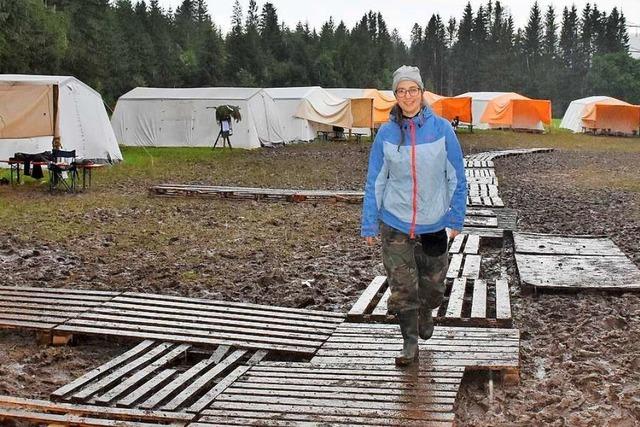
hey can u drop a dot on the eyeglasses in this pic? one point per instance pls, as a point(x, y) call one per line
point(412, 91)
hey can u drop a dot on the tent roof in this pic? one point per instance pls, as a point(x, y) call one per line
point(349, 93)
point(597, 99)
point(302, 92)
point(237, 93)
point(482, 96)
point(19, 79)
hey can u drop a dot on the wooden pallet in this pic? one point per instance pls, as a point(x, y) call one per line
point(491, 155)
point(281, 393)
point(207, 322)
point(475, 348)
point(42, 412)
point(548, 261)
point(177, 190)
point(43, 309)
point(156, 376)
point(61, 313)
point(467, 303)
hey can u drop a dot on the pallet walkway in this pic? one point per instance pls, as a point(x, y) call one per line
point(157, 376)
point(42, 412)
point(551, 261)
point(62, 313)
point(178, 190)
point(467, 302)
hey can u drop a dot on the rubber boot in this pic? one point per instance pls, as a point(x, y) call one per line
point(408, 321)
point(425, 324)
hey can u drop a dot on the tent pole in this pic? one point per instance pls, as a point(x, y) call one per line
point(56, 144)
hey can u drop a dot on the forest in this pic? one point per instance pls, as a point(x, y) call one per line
point(115, 46)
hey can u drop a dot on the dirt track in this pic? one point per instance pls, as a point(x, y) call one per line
point(580, 352)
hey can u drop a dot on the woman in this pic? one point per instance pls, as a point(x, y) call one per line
point(416, 189)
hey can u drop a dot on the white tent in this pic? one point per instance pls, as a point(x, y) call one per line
point(306, 110)
point(479, 102)
point(164, 117)
point(601, 112)
point(34, 109)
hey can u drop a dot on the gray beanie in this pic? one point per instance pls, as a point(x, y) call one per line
point(407, 72)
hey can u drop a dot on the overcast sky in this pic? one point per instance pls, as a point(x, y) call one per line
point(400, 14)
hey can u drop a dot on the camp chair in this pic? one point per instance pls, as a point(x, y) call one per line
point(63, 173)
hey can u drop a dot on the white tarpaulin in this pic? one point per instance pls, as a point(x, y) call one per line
point(479, 102)
point(165, 117)
point(28, 127)
point(305, 110)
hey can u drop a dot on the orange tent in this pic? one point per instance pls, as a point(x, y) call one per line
point(449, 108)
point(382, 105)
point(517, 111)
point(612, 114)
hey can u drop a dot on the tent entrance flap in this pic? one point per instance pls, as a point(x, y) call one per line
point(26, 111)
point(617, 118)
point(362, 111)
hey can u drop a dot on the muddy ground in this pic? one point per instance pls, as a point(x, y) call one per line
point(580, 352)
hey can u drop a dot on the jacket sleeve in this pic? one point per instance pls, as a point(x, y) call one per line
point(456, 181)
point(374, 188)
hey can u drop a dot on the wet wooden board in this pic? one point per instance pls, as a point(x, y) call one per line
point(277, 393)
point(148, 378)
point(45, 308)
point(556, 244)
point(54, 413)
point(357, 344)
point(578, 272)
point(207, 322)
point(467, 302)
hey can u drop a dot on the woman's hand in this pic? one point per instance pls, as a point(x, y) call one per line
point(452, 233)
point(369, 240)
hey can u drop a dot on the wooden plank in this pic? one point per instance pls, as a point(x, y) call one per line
point(471, 266)
point(93, 410)
point(248, 417)
point(555, 244)
point(203, 380)
point(454, 266)
point(578, 272)
point(381, 308)
point(151, 385)
point(66, 419)
point(295, 349)
point(120, 372)
point(65, 291)
point(479, 302)
point(251, 384)
point(143, 374)
point(226, 382)
point(503, 299)
point(481, 221)
point(213, 316)
point(456, 299)
point(365, 300)
point(96, 373)
point(185, 377)
point(473, 244)
point(456, 245)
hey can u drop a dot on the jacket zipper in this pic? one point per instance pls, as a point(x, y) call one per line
point(414, 176)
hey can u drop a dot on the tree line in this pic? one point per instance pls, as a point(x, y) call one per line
point(115, 46)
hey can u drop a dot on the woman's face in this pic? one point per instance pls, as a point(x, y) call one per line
point(409, 97)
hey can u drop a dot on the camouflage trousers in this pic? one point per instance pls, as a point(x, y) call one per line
point(415, 278)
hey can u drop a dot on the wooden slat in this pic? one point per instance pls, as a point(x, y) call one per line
point(456, 299)
point(473, 244)
point(575, 271)
point(151, 385)
point(119, 373)
point(479, 303)
point(503, 300)
point(381, 308)
point(96, 373)
point(454, 266)
point(366, 298)
point(555, 244)
point(471, 266)
point(226, 382)
point(203, 380)
point(456, 245)
point(188, 376)
point(142, 375)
